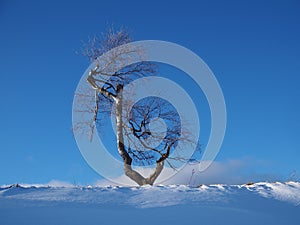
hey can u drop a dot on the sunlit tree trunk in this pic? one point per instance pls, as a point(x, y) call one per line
point(131, 173)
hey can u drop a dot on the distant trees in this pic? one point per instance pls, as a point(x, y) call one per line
point(132, 120)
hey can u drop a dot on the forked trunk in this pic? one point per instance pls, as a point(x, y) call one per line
point(131, 173)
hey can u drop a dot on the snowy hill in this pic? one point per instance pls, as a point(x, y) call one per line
point(259, 203)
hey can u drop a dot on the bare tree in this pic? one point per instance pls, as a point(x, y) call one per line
point(136, 143)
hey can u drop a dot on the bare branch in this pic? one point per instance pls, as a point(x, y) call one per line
point(135, 141)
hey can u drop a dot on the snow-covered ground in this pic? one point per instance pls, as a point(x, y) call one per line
point(259, 203)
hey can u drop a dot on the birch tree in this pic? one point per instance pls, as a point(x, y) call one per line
point(133, 133)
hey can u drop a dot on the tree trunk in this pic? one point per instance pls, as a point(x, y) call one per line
point(139, 179)
point(119, 126)
point(132, 174)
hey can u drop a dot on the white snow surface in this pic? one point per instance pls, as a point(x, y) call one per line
point(259, 203)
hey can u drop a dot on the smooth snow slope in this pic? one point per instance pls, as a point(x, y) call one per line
point(260, 203)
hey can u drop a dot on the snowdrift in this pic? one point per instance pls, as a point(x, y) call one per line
point(257, 203)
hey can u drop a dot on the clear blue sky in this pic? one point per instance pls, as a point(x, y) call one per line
point(252, 47)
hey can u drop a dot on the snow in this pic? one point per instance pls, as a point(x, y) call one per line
point(259, 203)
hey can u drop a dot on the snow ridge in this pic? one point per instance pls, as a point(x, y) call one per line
point(153, 196)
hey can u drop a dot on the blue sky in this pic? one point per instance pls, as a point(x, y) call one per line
point(252, 47)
